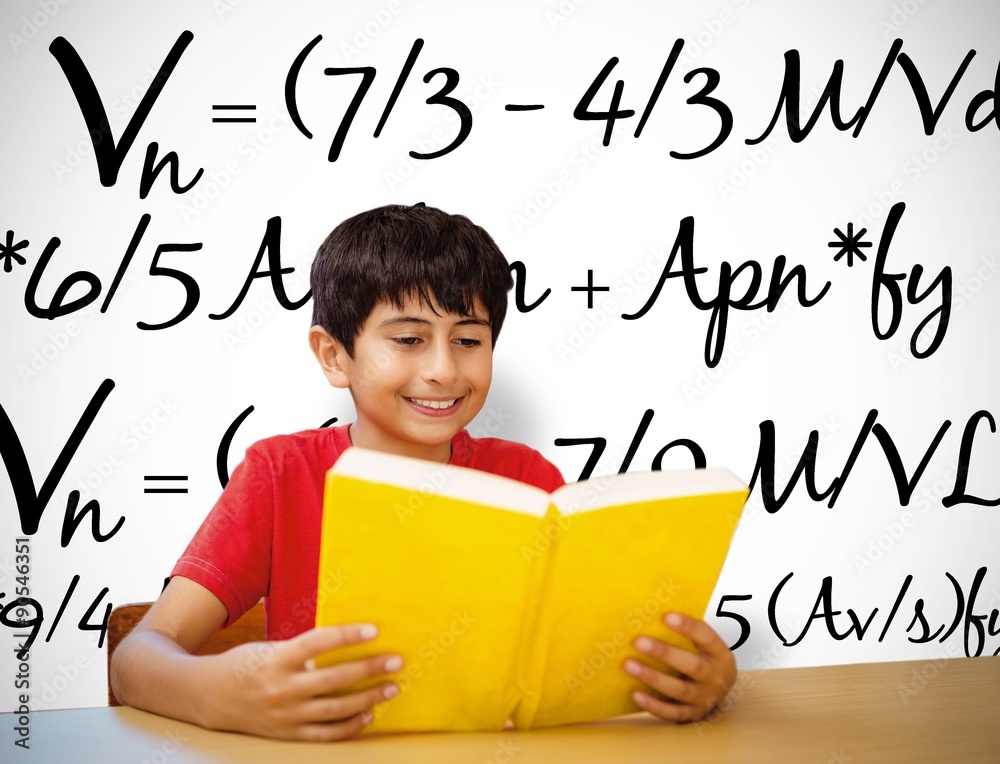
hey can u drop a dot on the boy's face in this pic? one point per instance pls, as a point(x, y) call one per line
point(417, 378)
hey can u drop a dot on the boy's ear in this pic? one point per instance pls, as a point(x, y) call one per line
point(331, 355)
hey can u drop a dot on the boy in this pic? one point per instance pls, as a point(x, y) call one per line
point(408, 304)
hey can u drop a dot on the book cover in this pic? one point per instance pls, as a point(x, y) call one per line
point(506, 602)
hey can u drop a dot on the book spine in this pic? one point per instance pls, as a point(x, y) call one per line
point(536, 619)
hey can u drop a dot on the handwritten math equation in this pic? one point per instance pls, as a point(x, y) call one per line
point(976, 623)
point(25, 613)
point(595, 104)
point(611, 104)
point(746, 286)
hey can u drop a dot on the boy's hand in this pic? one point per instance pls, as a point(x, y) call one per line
point(270, 689)
point(705, 676)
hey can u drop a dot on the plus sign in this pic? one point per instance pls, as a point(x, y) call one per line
point(590, 289)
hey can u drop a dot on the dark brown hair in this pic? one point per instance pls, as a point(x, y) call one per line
point(391, 253)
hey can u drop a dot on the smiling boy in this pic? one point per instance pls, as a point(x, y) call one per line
point(408, 305)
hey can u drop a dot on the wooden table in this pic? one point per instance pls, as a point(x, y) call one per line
point(914, 711)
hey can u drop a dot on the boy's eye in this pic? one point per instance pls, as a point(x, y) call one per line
point(406, 341)
point(468, 342)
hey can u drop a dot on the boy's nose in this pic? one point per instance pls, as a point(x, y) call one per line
point(440, 364)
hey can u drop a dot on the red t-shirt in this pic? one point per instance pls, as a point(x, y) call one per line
point(261, 538)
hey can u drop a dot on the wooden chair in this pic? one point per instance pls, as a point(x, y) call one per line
point(249, 628)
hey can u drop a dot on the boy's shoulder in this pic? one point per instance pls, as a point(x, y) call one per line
point(316, 449)
point(507, 458)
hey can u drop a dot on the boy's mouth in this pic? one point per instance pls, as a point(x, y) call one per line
point(435, 407)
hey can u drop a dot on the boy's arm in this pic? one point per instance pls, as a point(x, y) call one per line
point(264, 688)
point(705, 676)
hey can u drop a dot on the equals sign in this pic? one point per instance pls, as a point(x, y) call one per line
point(225, 107)
point(164, 478)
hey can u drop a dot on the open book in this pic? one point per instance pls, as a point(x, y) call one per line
point(506, 602)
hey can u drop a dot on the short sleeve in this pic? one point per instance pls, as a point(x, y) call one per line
point(230, 555)
point(542, 473)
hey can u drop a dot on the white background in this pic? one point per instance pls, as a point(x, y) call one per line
point(554, 198)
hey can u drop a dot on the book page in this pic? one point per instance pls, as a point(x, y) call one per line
point(614, 573)
point(445, 581)
point(633, 487)
point(459, 483)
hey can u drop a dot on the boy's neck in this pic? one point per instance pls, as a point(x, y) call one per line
point(439, 452)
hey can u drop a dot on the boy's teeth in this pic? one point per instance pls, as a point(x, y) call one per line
point(434, 404)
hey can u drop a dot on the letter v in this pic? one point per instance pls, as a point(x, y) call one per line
point(30, 505)
point(109, 156)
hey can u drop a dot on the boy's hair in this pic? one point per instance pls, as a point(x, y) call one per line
point(391, 253)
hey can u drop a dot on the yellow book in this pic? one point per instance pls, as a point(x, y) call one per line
point(507, 602)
